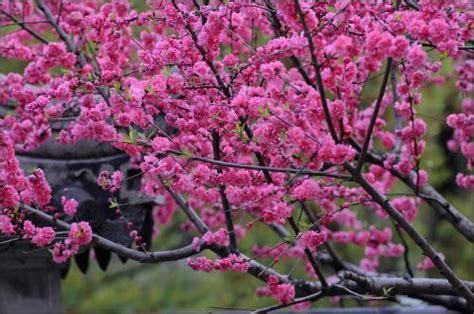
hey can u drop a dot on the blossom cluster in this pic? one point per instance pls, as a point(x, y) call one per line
point(254, 126)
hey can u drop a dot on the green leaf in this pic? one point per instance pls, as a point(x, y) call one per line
point(117, 85)
point(301, 157)
point(239, 130)
point(12, 102)
point(289, 239)
point(167, 182)
point(131, 137)
point(91, 48)
point(304, 225)
point(282, 134)
point(264, 112)
point(10, 113)
point(114, 204)
point(127, 94)
point(150, 90)
point(186, 153)
point(386, 291)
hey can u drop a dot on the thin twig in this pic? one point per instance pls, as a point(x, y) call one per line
point(375, 113)
point(26, 28)
point(317, 70)
point(224, 200)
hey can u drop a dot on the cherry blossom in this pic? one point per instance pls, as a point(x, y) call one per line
point(242, 115)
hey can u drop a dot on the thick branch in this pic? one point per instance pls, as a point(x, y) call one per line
point(403, 286)
point(358, 283)
point(448, 301)
point(139, 256)
point(427, 249)
point(429, 194)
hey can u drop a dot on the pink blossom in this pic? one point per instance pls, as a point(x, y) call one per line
point(233, 262)
point(201, 264)
point(29, 229)
point(62, 252)
point(160, 144)
point(307, 190)
point(342, 236)
point(416, 56)
point(277, 213)
point(284, 293)
point(407, 206)
point(369, 264)
point(43, 236)
point(69, 205)
point(220, 237)
point(6, 226)
point(398, 48)
point(196, 244)
point(9, 196)
point(394, 250)
point(465, 181)
point(312, 239)
point(80, 233)
point(164, 213)
point(116, 180)
point(109, 181)
point(40, 187)
point(427, 263)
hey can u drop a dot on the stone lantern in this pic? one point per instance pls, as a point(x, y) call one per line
point(29, 279)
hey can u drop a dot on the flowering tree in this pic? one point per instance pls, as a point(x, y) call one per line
point(246, 113)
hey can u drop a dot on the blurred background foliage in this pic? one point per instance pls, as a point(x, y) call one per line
point(135, 288)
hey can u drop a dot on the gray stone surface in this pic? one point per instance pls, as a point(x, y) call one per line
point(29, 280)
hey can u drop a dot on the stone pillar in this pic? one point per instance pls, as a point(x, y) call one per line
point(29, 280)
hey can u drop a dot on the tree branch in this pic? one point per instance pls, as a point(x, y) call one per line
point(429, 194)
point(403, 286)
point(309, 255)
point(310, 298)
point(270, 169)
point(139, 256)
point(427, 249)
point(71, 46)
point(375, 114)
point(192, 215)
point(359, 283)
point(337, 262)
point(24, 27)
point(448, 301)
point(224, 200)
point(220, 81)
point(406, 253)
point(317, 70)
